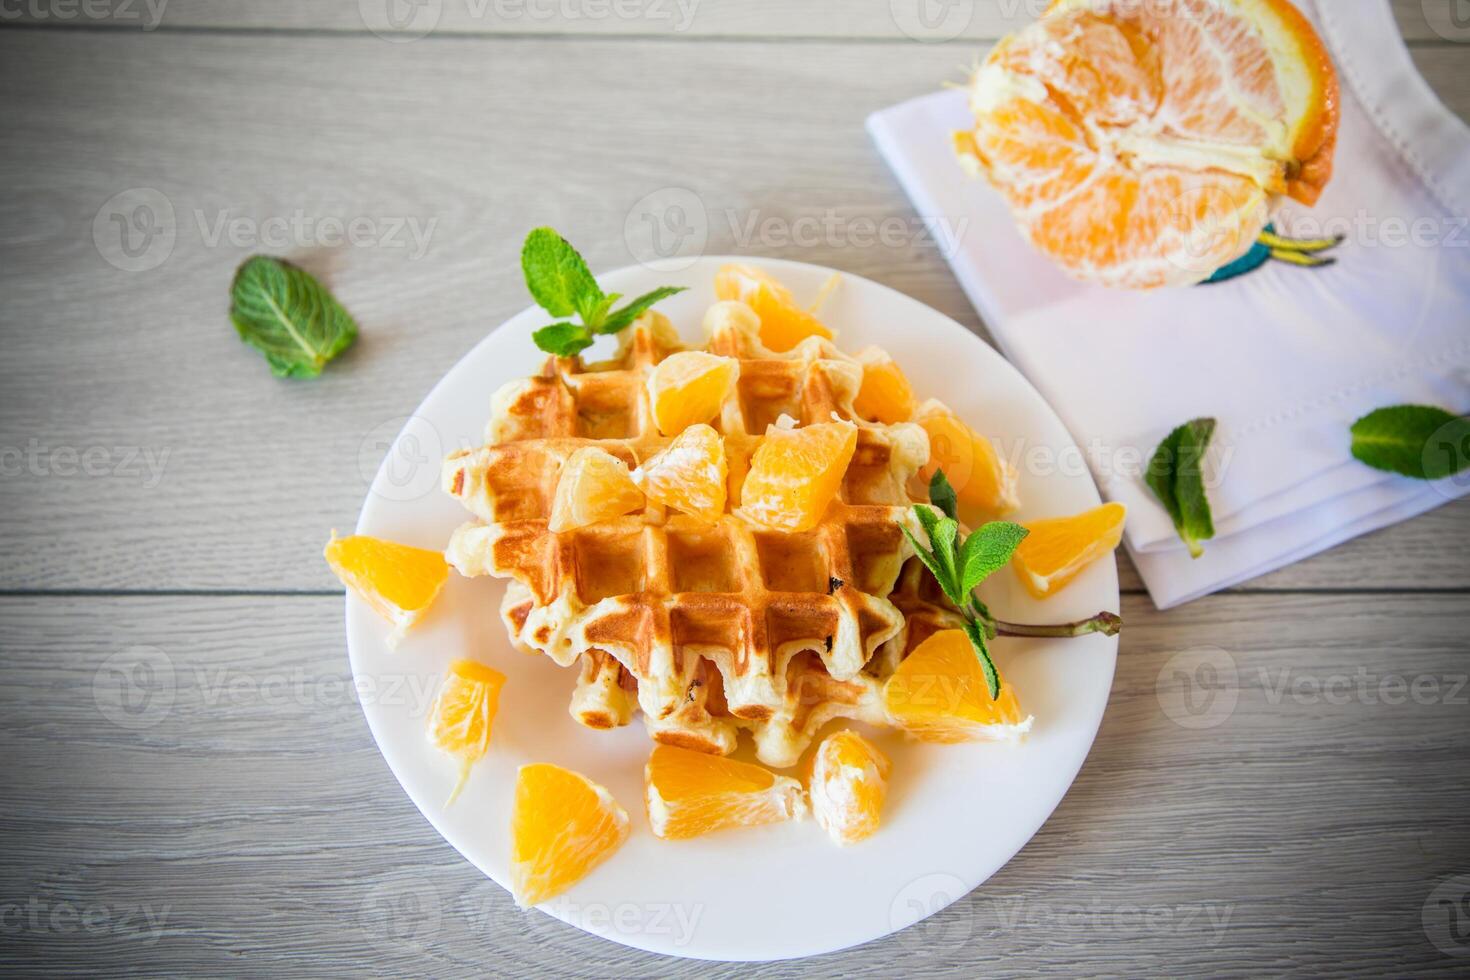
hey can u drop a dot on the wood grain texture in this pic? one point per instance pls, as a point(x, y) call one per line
point(970, 20)
point(235, 795)
point(146, 448)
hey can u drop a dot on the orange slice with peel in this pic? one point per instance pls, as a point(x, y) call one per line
point(1059, 548)
point(847, 786)
point(984, 482)
point(463, 714)
point(690, 793)
point(1141, 144)
point(689, 474)
point(689, 387)
point(594, 486)
point(795, 474)
point(938, 694)
point(886, 395)
point(562, 826)
point(399, 581)
point(783, 323)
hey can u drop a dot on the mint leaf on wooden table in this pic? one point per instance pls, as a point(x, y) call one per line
point(959, 564)
point(562, 285)
point(284, 313)
point(1419, 441)
point(1175, 477)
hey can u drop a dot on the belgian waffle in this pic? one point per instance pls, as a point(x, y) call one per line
point(706, 628)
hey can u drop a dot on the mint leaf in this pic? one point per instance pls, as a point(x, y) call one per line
point(944, 537)
point(1419, 441)
point(624, 317)
point(558, 279)
point(976, 633)
point(942, 495)
point(927, 518)
point(563, 339)
point(1175, 478)
point(924, 555)
point(986, 550)
point(284, 313)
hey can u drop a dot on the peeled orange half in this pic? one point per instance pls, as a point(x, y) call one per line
point(849, 782)
point(463, 714)
point(594, 486)
point(1140, 144)
point(795, 474)
point(689, 474)
point(689, 387)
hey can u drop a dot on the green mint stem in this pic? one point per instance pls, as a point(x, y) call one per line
point(1106, 623)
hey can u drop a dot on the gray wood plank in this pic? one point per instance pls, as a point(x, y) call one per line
point(969, 20)
point(1297, 821)
point(146, 448)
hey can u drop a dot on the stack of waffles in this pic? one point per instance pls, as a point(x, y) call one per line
point(707, 628)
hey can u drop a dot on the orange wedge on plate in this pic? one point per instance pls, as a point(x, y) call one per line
point(938, 694)
point(1141, 144)
point(689, 474)
point(594, 486)
point(689, 387)
point(849, 781)
point(563, 825)
point(690, 793)
point(463, 713)
point(984, 482)
point(783, 323)
point(795, 474)
point(1059, 548)
point(885, 395)
point(399, 581)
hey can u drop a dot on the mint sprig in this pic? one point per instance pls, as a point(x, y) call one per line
point(1418, 441)
point(1175, 477)
point(562, 285)
point(283, 312)
point(960, 564)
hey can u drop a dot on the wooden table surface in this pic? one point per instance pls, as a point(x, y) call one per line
point(189, 786)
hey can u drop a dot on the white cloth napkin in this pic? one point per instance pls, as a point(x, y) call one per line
point(1285, 358)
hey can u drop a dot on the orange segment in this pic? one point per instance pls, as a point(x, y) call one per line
point(886, 395)
point(689, 474)
point(399, 581)
point(795, 473)
point(849, 782)
point(690, 793)
point(460, 721)
point(689, 387)
point(984, 482)
point(938, 694)
point(1141, 145)
point(1060, 547)
point(562, 827)
point(594, 486)
point(783, 323)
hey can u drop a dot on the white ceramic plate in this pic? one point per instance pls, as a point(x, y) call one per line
point(955, 813)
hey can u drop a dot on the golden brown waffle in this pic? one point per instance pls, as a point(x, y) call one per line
point(714, 627)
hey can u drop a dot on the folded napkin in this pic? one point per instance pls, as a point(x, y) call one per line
point(1285, 358)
